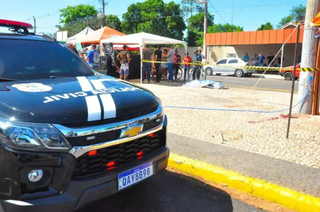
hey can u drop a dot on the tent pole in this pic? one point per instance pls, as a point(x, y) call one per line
point(141, 52)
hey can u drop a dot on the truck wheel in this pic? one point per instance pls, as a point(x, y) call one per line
point(288, 76)
point(209, 71)
point(239, 73)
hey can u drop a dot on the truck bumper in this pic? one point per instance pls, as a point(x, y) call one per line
point(82, 193)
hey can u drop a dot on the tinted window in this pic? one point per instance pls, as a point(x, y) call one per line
point(25, 60)
point(222, 62)
point(233, 61)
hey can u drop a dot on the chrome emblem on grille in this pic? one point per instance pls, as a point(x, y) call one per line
point(131, 130)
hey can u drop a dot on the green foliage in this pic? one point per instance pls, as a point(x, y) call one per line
point(194, 37)
point(285, 20)
point(189, 6)
point(224, 28)
point(156, 17)
point(267, 26)
point(196, 21)
point(77, 26)
point(296, 14)
point(196, 28)
point(114, 22)
point(71, 14)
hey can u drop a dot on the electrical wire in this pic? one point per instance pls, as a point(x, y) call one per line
point(218, 12)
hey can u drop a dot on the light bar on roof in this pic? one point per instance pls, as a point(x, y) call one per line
point(9, 23)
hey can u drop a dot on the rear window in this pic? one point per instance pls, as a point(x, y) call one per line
point(222, 62)
point(27, 59)
point(233, 61)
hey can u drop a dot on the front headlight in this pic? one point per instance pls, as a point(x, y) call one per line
point(160, 103)
point(33, 137)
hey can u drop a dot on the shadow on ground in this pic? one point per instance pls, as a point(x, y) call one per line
point(166, 192)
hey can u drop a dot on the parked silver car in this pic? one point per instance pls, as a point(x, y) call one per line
point(228, 66)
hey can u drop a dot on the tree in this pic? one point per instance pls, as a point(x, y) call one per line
point(267, 26)
point(189, 6)
point(71, 14)
point(78, 25)
point(296, 14)
point(195, 38)
point(224, 28)
point(114, 22)
point(156, 17)
point(285, 20)
point(196, 21)
point(196, 28)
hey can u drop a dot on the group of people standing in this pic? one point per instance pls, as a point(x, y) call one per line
point(259, 59)
point(169, 60)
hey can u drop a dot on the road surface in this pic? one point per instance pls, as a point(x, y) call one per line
point(265, 83)
point(171, 192)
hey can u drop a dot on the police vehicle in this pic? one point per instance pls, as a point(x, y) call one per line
point(69, 136)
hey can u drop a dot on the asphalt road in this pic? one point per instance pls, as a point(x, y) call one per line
point(171, 192)
point(265, 83)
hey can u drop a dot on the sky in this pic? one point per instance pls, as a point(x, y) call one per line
point(249, 14)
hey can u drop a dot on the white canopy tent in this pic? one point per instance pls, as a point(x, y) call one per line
point(86, 31)
point(142, 39)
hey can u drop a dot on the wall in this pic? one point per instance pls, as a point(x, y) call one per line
point(253, 37)
point(219, 52)
point(189, 49)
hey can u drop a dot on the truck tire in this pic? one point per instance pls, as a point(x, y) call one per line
point(288, 76)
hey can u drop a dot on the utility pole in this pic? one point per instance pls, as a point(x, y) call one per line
point(34, 24)
point(205, 27)
point(103, 11)
point(308, 57)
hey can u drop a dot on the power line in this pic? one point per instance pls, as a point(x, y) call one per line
point(218, 12)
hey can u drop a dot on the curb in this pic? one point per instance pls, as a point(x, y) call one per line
point(265, 190)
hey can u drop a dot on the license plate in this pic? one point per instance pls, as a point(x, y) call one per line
point(135, 175)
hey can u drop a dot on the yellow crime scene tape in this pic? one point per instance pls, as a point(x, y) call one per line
point(253, 68)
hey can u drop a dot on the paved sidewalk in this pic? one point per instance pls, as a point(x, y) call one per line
point(262, 133)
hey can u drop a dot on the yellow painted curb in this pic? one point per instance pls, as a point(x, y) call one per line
point(265, 190)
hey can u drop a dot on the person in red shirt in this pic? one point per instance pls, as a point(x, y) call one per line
point(187, 59)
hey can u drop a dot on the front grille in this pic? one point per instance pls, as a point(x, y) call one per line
point(120, 154)
point(98, 138)
point(109, 136)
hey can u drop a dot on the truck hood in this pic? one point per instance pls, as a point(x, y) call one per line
point(73, 100)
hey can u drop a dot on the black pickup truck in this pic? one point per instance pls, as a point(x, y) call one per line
point(69, 136)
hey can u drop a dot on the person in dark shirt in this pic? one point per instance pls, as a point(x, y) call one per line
point(279, 60)
point(158, 58)
point(270, 59)
point(197, 67)
point(176, 63)
point(146, 66)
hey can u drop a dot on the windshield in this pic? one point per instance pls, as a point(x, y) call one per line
point(28, 59)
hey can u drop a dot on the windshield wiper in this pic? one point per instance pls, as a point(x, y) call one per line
point(6, 80)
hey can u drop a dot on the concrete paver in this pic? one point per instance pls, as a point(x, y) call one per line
point(262, 133)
